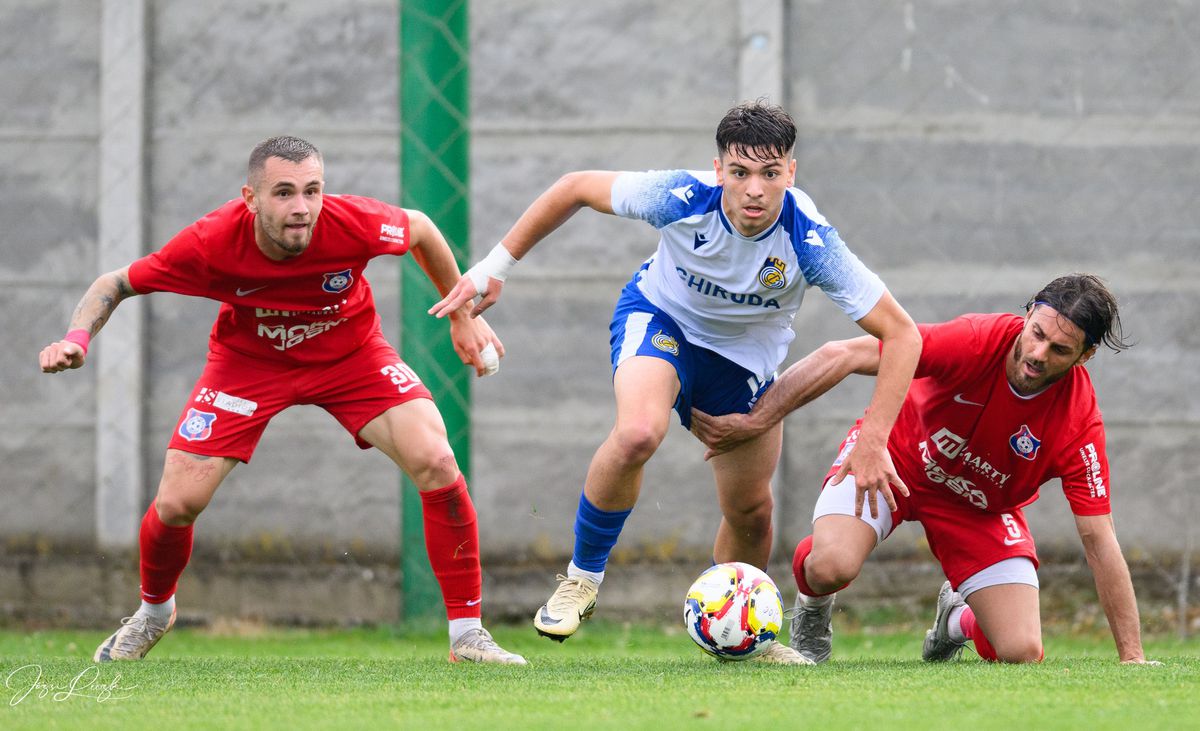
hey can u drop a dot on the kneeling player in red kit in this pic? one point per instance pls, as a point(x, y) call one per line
point(297, 325)
point(999, 405)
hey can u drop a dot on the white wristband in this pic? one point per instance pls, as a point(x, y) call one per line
point(494, 266)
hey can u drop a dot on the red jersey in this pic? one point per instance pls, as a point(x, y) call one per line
point(313, 308)
point(963, 434)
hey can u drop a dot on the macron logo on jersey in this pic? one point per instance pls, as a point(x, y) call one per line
point(683, 193)
point(391, 234)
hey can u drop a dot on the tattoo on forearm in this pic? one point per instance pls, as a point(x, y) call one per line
point(100, 305)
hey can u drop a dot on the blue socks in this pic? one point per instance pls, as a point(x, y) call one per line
point(596, 532)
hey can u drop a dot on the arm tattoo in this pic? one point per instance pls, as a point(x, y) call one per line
point(99, 303)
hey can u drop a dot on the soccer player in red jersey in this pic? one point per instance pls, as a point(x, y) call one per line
point(297, 325)
point(998, 406)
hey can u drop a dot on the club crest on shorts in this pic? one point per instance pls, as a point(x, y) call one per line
point(665, 343)
point(197, 425)
point(772, 274)
point(1024, 443)
point(337, 281)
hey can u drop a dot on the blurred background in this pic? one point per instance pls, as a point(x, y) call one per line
point(969, 151)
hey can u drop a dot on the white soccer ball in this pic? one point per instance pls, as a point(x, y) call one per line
point(733, 611)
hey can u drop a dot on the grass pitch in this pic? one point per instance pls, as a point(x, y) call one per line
point(608, 676)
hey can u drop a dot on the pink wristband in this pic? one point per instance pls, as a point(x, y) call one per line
point(80, 337)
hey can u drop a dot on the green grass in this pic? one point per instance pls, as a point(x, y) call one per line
point(609, 676)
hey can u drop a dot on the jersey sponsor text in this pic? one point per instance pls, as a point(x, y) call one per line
point(707, 288)
point(290, 337)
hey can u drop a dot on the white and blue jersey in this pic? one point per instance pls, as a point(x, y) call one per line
point(735, 295)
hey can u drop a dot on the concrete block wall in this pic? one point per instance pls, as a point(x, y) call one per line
point(967, 152)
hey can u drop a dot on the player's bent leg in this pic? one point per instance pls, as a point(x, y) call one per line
point(645, 390)
point(1008, 618)
point(825, 563)
point(165, 540)
point(743, 478)
point(840, 547)
point(413, 435)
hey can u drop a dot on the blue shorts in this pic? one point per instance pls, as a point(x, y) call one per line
point(707, 381)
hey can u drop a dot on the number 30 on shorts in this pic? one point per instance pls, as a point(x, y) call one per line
point(404, 377)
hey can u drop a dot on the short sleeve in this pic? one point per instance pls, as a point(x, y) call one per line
point(661, 197)
point(1085, 476)
point(942, 346)
point(840, 274)
point(180, 267)
point(385, 227)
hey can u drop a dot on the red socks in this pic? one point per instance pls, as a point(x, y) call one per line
point(802, 550)
point(451, 538)
point(165, 550)
point(452, 541)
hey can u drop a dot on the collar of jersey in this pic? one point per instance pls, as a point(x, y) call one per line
point(730, 228)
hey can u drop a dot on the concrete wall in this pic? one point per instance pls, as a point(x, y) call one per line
point(968, 152)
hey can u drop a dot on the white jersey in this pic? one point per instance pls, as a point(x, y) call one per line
point(729, 293)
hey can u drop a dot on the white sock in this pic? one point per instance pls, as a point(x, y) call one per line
point(954, 625)
point(574, 572)
point(816, 601)
point(160, 613)
point(459, 627)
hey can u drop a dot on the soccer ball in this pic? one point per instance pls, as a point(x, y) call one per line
point(733, 611)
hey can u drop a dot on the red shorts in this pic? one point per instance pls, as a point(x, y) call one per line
point(237, 395)
point(963, 538)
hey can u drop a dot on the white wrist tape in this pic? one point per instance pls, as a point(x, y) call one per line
point(493, 266)
point(491, 359)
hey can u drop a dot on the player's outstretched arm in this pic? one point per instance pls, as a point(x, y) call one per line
point(573, 191)
point(471, 337)
point(869, 460)
point(803, 381)
point(90, 315)
point(1113, 584)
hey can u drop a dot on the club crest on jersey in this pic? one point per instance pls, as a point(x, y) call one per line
point(771, 275)
point(665, 343)
point(337, 281)
point(1024, 443)
point(197, 425)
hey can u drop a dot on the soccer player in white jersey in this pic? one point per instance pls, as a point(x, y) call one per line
point(704, 323)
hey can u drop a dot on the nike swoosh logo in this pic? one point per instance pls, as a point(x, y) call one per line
point(473, 602)
point(547, 619)
point(243, 292)
point(958, 399)
point(1012, 542)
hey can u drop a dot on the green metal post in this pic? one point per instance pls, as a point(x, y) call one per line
point(434, 164)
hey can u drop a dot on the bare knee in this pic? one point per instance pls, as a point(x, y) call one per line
point(636, 443)
point(829, 571)
point(174, 510)
point(435, 469)
point(752, 519)
point(1023, 649)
